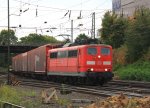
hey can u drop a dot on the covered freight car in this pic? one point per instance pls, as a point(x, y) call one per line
point(19, 62)
point(33, 61)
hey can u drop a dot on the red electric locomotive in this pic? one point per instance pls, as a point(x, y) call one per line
point(84, 63)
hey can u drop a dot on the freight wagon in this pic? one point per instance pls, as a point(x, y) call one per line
point(32, 62)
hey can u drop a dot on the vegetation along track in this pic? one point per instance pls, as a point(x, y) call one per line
point(104, 91)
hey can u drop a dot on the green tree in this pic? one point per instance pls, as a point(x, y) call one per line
point(138, 35)
point(37, 39)
point(4, 35)
point(81, 38)
point(113, 29)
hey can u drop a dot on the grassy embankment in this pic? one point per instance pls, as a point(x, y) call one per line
point(19, 97)
point(139, 71)
point(26, 97)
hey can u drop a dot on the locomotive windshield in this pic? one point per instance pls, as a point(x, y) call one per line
point(92, 51)
point(105, 51)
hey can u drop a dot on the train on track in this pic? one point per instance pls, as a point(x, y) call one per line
point(83, 63)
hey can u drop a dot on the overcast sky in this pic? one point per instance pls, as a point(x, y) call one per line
point(38, 16)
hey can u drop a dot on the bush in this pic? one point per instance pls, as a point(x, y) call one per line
point(137, 35)
point(147, 55)
point(119, 56)
point(139, 71)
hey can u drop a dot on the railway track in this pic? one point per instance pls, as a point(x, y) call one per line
point(3, 73)
point(130, 83)
point(105, 91)
point(3, 77)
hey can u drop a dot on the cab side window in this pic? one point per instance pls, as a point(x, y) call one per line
point(62, 54)
point(72, 53)
point(53, 55)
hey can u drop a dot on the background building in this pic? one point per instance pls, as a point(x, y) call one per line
point(126, 8)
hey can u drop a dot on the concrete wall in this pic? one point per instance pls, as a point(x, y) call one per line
point(128, 7)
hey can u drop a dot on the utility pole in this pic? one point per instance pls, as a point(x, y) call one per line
point(8, 62)
point(72, 31)
point(122, 13)
point(93, 26)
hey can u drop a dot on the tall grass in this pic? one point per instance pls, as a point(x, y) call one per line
point(9, 94)
point(139, 71)
point(26, 98)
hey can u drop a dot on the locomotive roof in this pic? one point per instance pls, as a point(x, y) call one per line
point(79, 46)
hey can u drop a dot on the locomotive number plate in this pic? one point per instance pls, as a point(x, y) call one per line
point(90, 62)
point(106, 63)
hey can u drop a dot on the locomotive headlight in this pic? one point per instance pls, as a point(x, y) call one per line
point(92, 69)
point(106, 69)
point(99, 56)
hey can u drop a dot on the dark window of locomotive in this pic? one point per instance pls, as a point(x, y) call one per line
point(53, 55)
point(105, 51)
point(62, 54)
point(72, 53)
point(92, 51)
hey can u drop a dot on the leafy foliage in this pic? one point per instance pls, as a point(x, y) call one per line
point(137, 35)
point(81, 38)
point(119, 55)
point(113, 29)
point(84, 39)
point(130, 39)
point(146, 56)
point(4, 36)
point(36, 39)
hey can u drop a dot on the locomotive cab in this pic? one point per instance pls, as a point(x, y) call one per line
point(99, 59)
point(97, 62)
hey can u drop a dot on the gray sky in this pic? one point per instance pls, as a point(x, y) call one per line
point(40, 15)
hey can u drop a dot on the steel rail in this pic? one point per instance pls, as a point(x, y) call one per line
point(130, 83)
point(101, 91)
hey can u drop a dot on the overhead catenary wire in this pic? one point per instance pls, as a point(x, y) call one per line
point(32, 7)
point(13, 14)
point(56, 8)
point(43, 28)
point(28, 8)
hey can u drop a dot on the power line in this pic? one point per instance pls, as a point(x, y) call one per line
point(34, 9)
point(68, 21)
point(54, 7)
point(45, 8)
point(86, 1)
point(101, 4)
